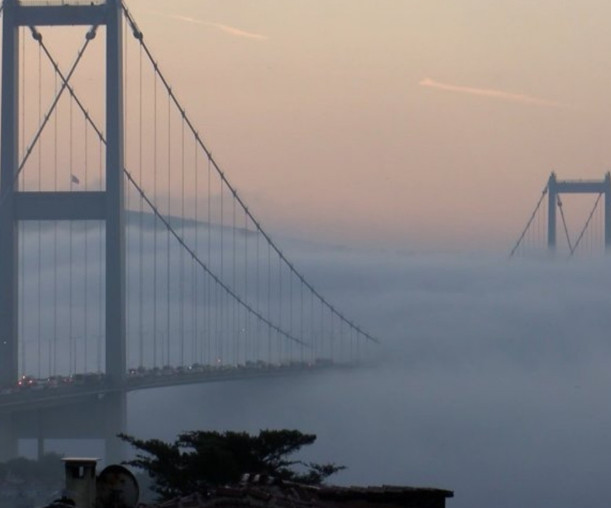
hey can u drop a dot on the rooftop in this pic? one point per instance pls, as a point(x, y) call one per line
point(259, 492)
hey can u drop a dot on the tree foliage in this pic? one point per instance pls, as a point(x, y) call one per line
point(198, 460)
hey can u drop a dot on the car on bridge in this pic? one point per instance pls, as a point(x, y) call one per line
point(26, 382)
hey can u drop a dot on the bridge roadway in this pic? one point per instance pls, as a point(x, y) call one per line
point(88, 410)
point(75, 393)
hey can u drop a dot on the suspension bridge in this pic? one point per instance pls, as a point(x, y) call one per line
point(541, 230)
point(128, 260)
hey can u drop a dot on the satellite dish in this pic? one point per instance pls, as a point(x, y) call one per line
point(116, 487)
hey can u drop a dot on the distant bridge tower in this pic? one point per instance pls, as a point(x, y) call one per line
point(107, 205)
point(556, 187)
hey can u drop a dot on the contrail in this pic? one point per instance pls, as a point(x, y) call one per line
point(491, 93)
point(225, 28)
point(220, 26)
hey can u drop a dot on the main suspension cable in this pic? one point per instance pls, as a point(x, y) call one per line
point(532, 217)
point(139, 36)
point(229, 291)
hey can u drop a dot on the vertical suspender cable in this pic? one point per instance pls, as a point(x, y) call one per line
point(223, 324)
point(39, 254)
point(542, 219)
point(55, 295)
point(23, 94)
point(235, 332)
point(342, 352)
point(259, 339)
point(208, 282)
point(182, 251)
point(127, 142)
point(194, 275)
point(301, 321)
point(590, 239)
point(129, 283)
point(601, 226)
point(331, 338)
point(246, 327)
point(86, 279)
point(100, 267)
point(338, 335)
point(280, 341)
point(218, 304)
point(322, 325)
point(71, 168)
point(169, 202)
point(22, 224)
point(140, 224)
point(218, 325)
point(269, 301)
point(155, 221)
point(312, 330)
point(125, 79)
point(291, 313)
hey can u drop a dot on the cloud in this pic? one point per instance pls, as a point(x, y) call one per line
point(220, 26)
point(491, 93)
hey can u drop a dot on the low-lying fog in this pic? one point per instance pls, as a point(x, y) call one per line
point(492, 379)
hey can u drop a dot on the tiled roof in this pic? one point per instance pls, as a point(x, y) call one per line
point(259, 492)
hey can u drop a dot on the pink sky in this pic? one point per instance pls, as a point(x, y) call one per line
point(417, 124)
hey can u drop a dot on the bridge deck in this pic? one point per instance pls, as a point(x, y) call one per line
point(27, 399)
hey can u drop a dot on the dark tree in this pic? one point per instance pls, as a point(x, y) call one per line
point(199, 460)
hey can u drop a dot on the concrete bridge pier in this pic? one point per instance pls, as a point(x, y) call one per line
point(115, 414)
point(8, 438)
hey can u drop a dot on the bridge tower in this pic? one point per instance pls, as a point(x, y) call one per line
point(556, 187)
point(106, 205)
